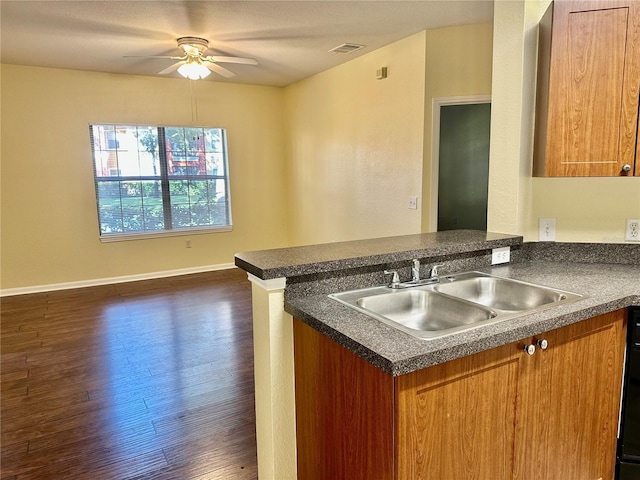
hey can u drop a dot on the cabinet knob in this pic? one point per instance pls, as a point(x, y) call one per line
point(530, 349)
point(626, 167)
point(543, 344)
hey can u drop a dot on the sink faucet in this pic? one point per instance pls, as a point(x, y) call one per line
point(415, 270)
point(415, 276)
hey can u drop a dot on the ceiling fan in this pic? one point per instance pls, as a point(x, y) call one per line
point(194, 64)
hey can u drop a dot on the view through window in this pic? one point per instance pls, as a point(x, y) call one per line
point(160, 180)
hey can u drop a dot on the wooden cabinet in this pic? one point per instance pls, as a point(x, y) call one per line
point(344, 411)
point(573, 407)
point(498, 414)
point(458, 419)
point(589, 90)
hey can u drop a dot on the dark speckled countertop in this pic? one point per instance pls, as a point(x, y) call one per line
point(327, 257)
point(607, 275)
point(606, 287)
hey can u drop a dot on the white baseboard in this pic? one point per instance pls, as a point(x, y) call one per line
point(111, 280)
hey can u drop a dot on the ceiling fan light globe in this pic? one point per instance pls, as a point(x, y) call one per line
point(193, 71)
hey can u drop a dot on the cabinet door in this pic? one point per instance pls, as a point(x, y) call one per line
point(594, 83)
point(458, 419)
point(573, 404)
point(344, 411)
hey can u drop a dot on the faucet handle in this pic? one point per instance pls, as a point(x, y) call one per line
point(395, 279)
point(434, 271)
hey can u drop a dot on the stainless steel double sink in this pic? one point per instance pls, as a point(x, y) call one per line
point(455, 304)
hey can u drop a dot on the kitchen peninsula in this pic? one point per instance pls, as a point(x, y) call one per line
point(297, 281)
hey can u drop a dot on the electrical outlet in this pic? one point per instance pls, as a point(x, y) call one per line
point(632, 233)
point(547, 230)
point(413, 203)
point(188, 243)
point(500, 255)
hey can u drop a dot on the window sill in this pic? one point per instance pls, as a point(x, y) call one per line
point(122, 237)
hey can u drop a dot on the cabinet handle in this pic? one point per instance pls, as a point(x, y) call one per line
point(530, 349)
point(626, 167)
point(543, 344)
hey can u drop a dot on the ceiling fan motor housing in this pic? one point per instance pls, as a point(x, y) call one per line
point(193, 45)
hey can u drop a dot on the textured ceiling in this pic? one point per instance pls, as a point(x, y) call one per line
point(290, 39)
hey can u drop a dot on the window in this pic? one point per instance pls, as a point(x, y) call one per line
point(153, 181)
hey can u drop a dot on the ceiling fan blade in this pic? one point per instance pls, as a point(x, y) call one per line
point(172, 68)
point(223, 59)
point(219, 70)
point(154, 56)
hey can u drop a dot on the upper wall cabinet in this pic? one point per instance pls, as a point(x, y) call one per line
point(588, 90)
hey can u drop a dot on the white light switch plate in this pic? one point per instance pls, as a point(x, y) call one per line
point(547, 230)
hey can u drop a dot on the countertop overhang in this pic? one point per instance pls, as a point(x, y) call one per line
point(327, 257)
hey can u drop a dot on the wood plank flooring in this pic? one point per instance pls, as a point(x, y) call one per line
point(144, 380)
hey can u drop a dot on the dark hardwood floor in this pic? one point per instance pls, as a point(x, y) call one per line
point(144, 380)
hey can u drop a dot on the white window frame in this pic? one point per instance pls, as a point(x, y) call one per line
point(164, 177)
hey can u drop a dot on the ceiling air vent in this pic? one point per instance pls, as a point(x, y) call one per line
point(346, 48)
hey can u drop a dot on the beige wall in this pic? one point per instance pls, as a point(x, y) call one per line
point(513, 93)
point(585, 209)
point(49, 220)
point(354, 147)
point(334, 157)
point(458, 63)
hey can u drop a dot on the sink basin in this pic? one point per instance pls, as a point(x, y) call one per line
point(418, 311)
point(501, 293)
point(457, 303)
point(424, 311)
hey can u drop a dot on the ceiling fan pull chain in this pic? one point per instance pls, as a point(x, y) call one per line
point(194, 102)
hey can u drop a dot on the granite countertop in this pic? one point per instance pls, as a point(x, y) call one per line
point(607, 275)
point(314, 259)
point(605, 287)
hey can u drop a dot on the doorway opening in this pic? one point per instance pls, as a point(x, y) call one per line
point(460, 163)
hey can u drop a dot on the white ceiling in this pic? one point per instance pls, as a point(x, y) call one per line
point(290, 39)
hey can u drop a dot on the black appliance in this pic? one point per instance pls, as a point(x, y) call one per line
point(628, 461)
